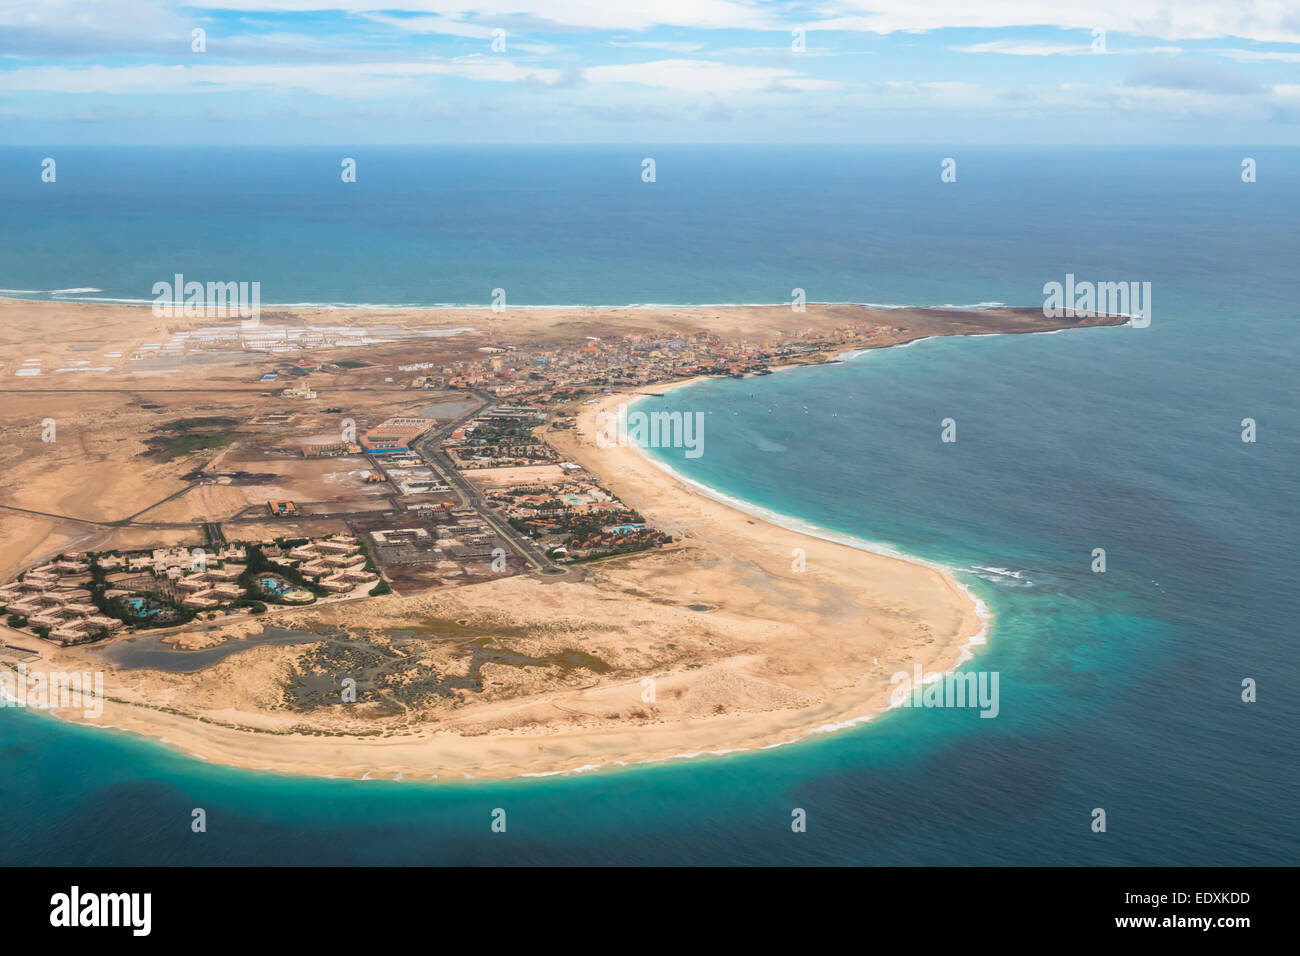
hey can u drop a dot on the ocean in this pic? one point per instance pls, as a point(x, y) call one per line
point(1119, 690)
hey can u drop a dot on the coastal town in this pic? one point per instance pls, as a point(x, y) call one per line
point(420, 500)
point(551, 375)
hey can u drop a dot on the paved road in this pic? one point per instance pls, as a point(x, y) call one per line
point(428, 448)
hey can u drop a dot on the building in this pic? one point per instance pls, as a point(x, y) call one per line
point(395, 435)
point(329, 448)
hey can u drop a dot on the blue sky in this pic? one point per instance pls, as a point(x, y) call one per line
point(642, 71)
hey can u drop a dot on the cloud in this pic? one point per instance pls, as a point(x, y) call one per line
point(1043, 48)
point(705, 76)
point(566, 62)
point(668, 46)
point(1259, 56)
point(378, 78)
point(1261, 20)
point(447, 26)
point(1025, 48)
point(624, 114)
point(586, 14)
point(1187, 73)
point(344, 80)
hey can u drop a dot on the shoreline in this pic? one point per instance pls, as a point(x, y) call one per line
point(631, 746)
point(800, 526)
point(964, 651)
point(867, 587)
point(487, 307)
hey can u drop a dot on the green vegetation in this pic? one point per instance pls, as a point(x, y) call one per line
point(369, 566)
point(259, 564)
point(188, 435)
point(381, 588)
point(583, 534)
point(351, 363)
point(164, 612)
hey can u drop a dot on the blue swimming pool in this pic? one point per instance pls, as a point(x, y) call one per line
point(140, 607)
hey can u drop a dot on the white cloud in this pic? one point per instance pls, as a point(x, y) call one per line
point(1259, 20)
point(345, 79)
point(446, 26)
point(1025, 48)
point(705, 76)
point(1262, 20)
point(668, 46)
point(379, 79)
point(1042, 48)
point(1259, 56)
point(1256, 20)
point(590, 14)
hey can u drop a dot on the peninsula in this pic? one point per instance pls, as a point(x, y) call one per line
point(390, 543)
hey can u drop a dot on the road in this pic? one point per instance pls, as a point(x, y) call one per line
point(129, 519)
point(428, 448)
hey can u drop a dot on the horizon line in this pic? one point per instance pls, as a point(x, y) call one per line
point(638, 144)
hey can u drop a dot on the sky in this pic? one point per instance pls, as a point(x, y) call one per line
point(1000, 72)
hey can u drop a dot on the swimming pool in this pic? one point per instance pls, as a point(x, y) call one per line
point(140, 607)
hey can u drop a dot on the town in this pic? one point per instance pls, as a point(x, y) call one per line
point(439, 493)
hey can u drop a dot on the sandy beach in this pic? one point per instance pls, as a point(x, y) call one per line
point(783, 653)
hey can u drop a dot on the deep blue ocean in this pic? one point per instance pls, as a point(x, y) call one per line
point(1119, 690)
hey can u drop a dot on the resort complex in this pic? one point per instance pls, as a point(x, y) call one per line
point(86, 596)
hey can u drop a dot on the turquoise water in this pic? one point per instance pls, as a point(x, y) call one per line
point(141, 608)
point(1118, 690)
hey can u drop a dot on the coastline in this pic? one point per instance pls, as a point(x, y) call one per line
point(74, 297)
point(852, 691)
point(796, 654)
point(800, 526)
point(633, 462)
